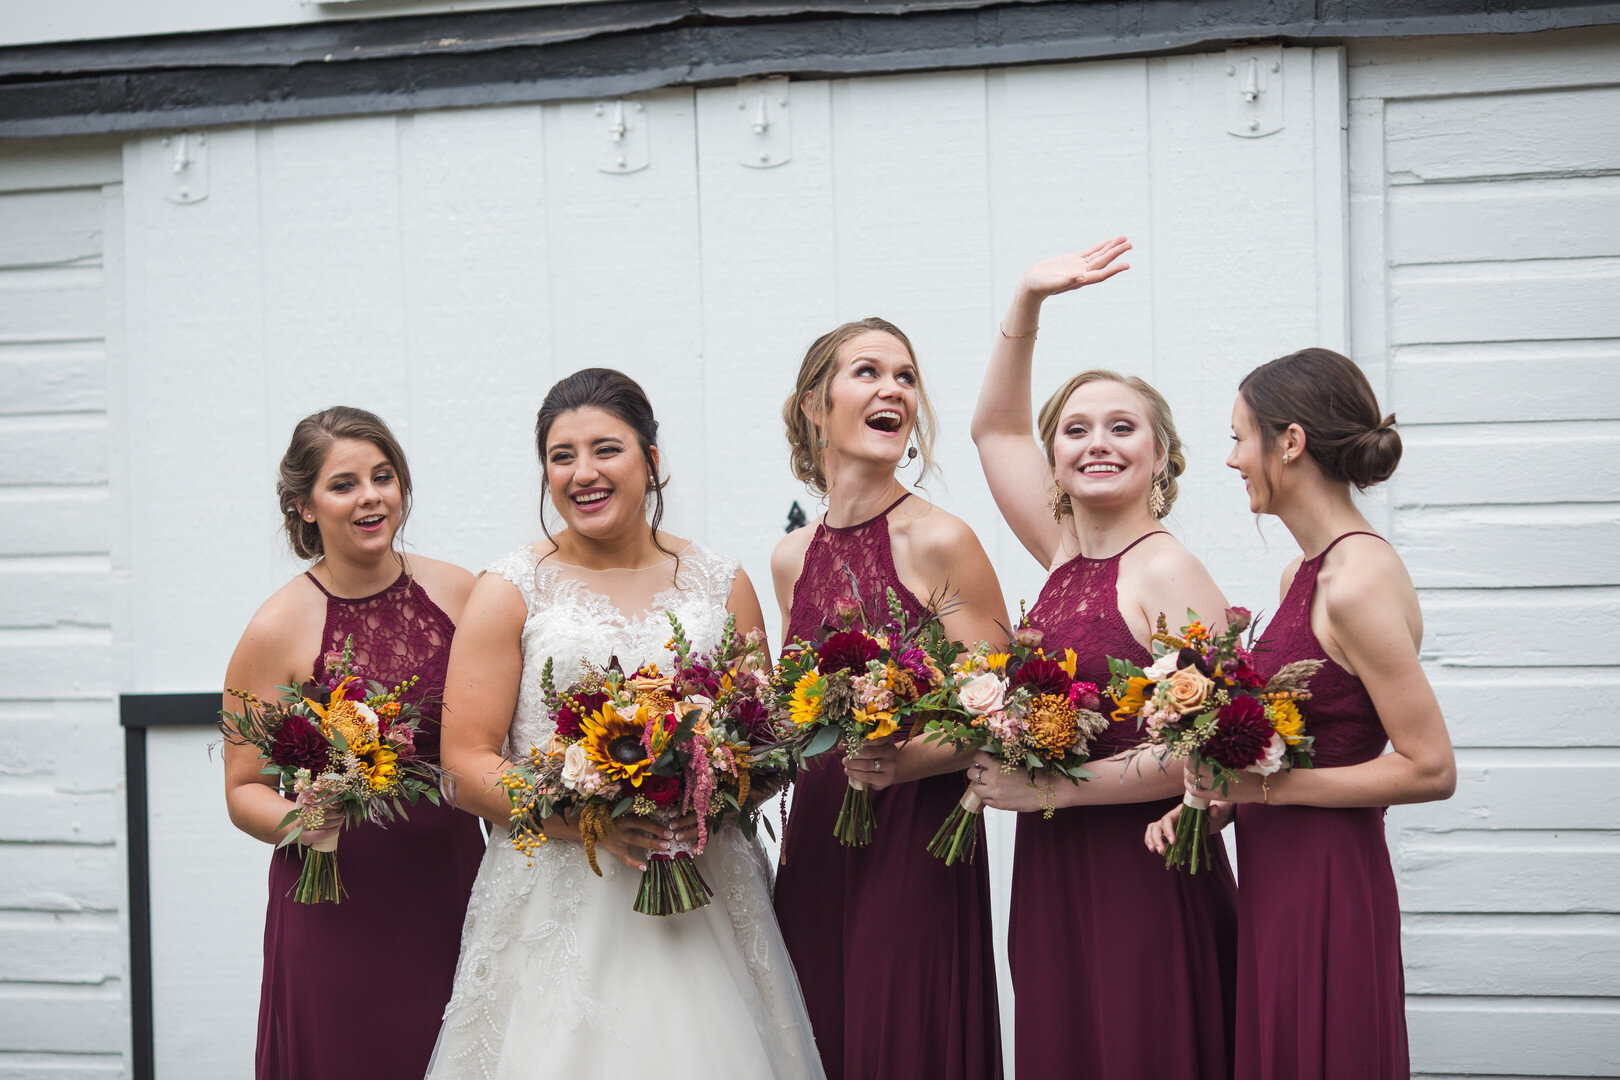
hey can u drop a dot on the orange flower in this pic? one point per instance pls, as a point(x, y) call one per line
point(1131, 701)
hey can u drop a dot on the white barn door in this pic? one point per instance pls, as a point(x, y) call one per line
point(444, 268)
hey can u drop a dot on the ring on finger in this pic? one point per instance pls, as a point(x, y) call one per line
point(877, 766)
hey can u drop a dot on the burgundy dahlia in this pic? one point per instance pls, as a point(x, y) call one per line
point(1042, 676)
point(300, 745)
point(571, 716)
point(1241, 734)
point(754, 719)
point(847, 650)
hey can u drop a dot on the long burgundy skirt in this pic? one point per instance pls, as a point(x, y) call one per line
point(893, 949)
point(1121, 969)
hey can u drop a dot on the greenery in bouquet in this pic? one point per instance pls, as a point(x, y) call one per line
point(700, 740)
point(1202, 701)
point(1022, 707)
point(860, 683)
point(344, 748)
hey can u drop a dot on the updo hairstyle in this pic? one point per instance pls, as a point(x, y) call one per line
point(1165, 439)
point(814, 386)
point(620, 396)
point(1327, 395)
point(301, 466)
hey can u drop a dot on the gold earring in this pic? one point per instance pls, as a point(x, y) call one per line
point(1156, 505)
point(1060, 500)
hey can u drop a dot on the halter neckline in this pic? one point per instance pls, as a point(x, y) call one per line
point(1319, 556)
point(880, 515)
point(330, 595)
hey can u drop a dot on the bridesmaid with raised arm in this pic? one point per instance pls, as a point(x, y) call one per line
point(1121, 970)
point(345, 491)
point(1320, 986)
point(893, 948)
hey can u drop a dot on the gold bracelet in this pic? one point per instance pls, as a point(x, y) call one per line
point(1265, 790)
point(1015, 337)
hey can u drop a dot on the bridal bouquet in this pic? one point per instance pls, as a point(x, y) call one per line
point(346, 750)
point(861, 683)
point(695, 741)
point(1025, 709)
point(1201, 700)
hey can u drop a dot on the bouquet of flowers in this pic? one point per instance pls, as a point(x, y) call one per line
point(861, 683)
point(1201, 700)
point(345, 749)
point(1025, 709)
point(697, 740)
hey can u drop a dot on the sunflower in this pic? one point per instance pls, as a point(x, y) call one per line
point(805, 703)
point(613, 743)
point(1285, 720)
point(997, 662)
point(378, 762)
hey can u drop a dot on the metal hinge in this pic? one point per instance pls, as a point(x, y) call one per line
point(188, 167)
point(1255, 91)
point(626, 130)
point(765, 131)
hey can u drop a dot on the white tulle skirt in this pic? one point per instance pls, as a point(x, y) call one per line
point(559, 977)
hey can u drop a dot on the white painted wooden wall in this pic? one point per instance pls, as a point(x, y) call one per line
point(444, 268)
point(1485, 211)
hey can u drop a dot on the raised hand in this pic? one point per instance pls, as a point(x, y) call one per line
point(1065, 273)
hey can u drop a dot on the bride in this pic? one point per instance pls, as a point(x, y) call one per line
point(557, 975)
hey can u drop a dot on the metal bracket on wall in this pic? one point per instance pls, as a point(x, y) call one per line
point(764, 129)
point(188, 167)
point(625, 128)
point(1254, 91)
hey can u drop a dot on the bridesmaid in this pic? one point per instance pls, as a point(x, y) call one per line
point(345, 492)
point(1121, 970)
point(893, 949)
point(1320, 986)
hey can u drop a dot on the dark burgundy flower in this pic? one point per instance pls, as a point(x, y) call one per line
point(300, 745)
point(1244, 675)
point(1241, 734)
point(1084, 695)
point(754, 719)
point(698, 679)
point(661, 790)
point(1195, 659)
point(319, 693)
point(571, 716)
point(847, 650)
point(1042, 676)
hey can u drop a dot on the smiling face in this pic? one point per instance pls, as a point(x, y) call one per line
point(1257, 465)
point(597, 474)
point(356, 501)
point(872, 399)
point(1103, 453)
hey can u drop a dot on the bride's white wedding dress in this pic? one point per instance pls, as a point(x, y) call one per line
point(558, 976)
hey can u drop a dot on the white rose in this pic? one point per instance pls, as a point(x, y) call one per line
point(983, 694)
point(1162, 668)
point(575, 766)
point(1274, 756)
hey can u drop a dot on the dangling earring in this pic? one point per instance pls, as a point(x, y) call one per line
point(911, 455)
point(1156, 498)
point(821, 442)
point(1059, 501)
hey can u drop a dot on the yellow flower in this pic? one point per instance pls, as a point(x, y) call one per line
point(805, 704)
point(351, 719)
point(997, 661)
point(613, 743)
point(1069, 662)
point(1052, 725)
point(379, 763)
point(1285, 720)
point(1131, 701)
point(883, 719)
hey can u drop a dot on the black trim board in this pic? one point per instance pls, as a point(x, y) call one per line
point(137, 713)
point(569, 51)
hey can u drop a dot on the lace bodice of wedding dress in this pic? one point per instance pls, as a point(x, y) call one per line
point(557, 975)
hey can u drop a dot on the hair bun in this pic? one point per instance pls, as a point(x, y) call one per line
point(1370, 458)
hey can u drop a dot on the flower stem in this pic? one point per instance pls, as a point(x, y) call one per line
point(318, 881)
point(857, 822)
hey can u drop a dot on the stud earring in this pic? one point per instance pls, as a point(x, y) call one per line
point(310, 518)
point(1156, 502)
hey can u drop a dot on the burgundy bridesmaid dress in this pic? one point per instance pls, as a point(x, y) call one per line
point(1121, 968)
point(357, 989)
point(1321, 993)
point(893, 948)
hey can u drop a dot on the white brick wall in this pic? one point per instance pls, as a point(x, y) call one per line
point(1485, 180)
point(64, 1011)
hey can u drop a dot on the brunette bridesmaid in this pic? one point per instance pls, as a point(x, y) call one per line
point(1121, 969)
point(345, 491)
point(893, 948)
point(1320, 985)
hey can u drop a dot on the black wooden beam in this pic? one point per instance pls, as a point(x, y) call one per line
point(572, 51)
